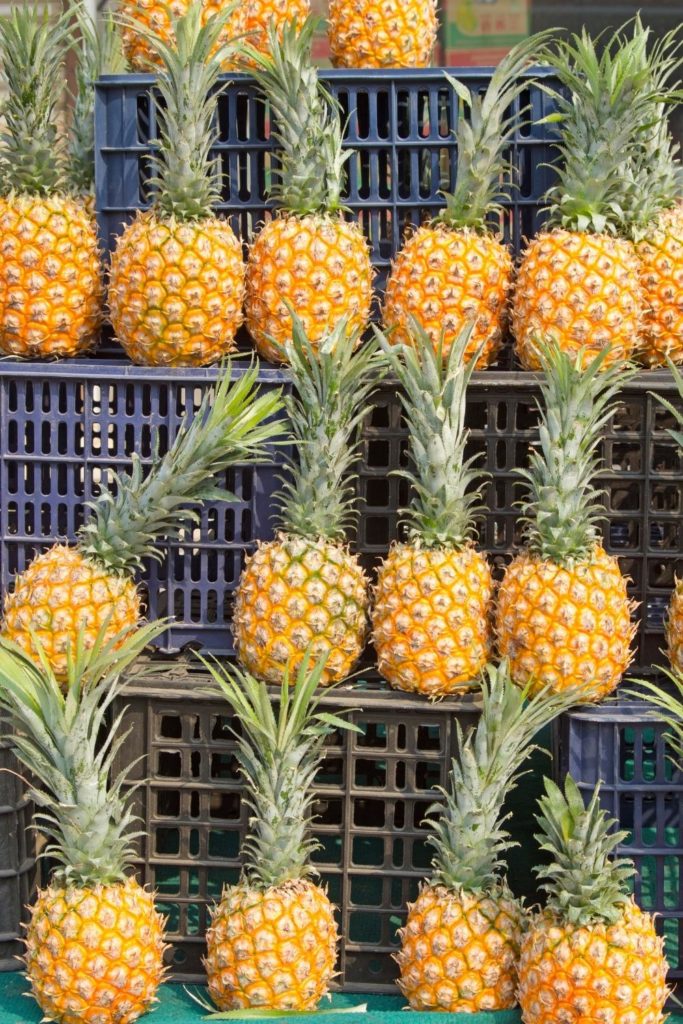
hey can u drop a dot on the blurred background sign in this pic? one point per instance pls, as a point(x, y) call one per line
point(480, 32)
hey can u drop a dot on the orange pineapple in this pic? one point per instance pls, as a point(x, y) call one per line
point(95, 943)
point(432, 603)
point(272, 943)
point(455, 271)
point(382, 33)
point(307, 258)
point(143, 20)
point(68, 592)
point(460, 944)
point(50, 281)
point(591, 954)
point(563, 614)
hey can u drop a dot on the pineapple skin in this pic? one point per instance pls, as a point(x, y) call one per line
point(317, 263)
point(95, 955)
point(607, 972)
point(445, 279)
point(296, 591)
point(382, 33)
point(157, 15)
point(563, 627)
point(431, 618)
point(581, 290)
point(60, 591)
point(176, 290)
point(274, 948)
point(258, 14)
point(674, 627)
point(459, 951)
point(50, 280)
point(661, 277)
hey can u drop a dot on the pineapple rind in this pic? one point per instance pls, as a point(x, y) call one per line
point(157, 16)
point(382, 33)
point(660, 255)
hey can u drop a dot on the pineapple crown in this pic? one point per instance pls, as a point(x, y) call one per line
point(446, 489)
point(584, 883)
point(186, 177)
point(234, 424)
point(33, 47)
point(279, 754)
point(307, 122)
point(65, 741)
point(482, 139)
point(600, 131)
point(332, 384)
point(99, 52)
point(667, 702)
point(563, 507)
point(468, 831)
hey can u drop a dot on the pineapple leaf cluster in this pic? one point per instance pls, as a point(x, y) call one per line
point(599, 132)
point(99, 53)
point(332, 385)
point(563, 506)
point(482, 138)
point(186, 176)
point(65, 741)
point(446, 488)
point(233, 424)
point(32, 151)
point(279, 752)
point(468, 831)
point(667, 700)
point(584, 882)
point(309, 177)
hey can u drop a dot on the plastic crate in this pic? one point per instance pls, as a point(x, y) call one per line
point(373, 790)
point(63, 428)
point(17, 856)
point(622, 746)
point(400, 123)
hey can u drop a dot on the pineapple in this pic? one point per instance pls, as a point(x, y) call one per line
point(272, 942)
point(591, 954)
point(432, 602)
point(305, 588)
point(563, 613)
point(308, 257)
point(94, 942)
point(460, 944)
point(578, 282)
point(99, 53)
point(454, 270)
point(50, 279)
point(67, 590)
point(382, 33)
point(176, 286)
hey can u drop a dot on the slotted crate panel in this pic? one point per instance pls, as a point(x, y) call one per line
point(373, 791)
point(65, 426)
point(17, 856)
point(621, 745)
point(400, 123)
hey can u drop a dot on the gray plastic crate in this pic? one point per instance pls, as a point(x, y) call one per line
point(17, 856)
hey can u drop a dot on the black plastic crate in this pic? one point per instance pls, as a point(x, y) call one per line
point(65, 426)
point(17, 856)
point(373, 790)
point(400, 123)
point(622, 745)
point(643, 481)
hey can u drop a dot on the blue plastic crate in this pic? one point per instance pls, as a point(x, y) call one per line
point(400, 123)
point(17, 856)
point(64, 426)
point(622, 745)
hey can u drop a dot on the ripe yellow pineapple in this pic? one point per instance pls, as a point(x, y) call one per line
point(305, 588)
point(591, 954)
point(563, 612)
point(50, 280)
point(308, 257)
point(460, 944)
point(176, 285)
point(67, 591)
point(432, 602)
point(143, 19)
point(272, 942)
point(94, 943)
point(454, 270)
point(578, 281)
point(382, 33)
